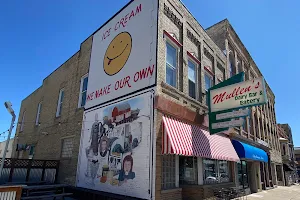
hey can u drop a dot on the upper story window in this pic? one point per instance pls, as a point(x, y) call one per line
point(23, 121)
point(245, 125)
point(83, 91)
point(208, 81)
point(192, 78)
point(60, 102)
point(208, 84)
point(38, 113)
point(171, 65)
point(232, 64)
point(252, 76)
point(284, 150)
point(250, 123)
point(231, 68)
point(240, 66)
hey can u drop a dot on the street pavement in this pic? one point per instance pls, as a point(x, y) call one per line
point(279, 193)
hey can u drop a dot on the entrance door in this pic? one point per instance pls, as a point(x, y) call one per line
point(262, 176)
point(243, 174)
point(266, 175)
point(270, 174)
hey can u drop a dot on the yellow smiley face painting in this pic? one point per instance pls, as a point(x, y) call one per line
point(117, 53)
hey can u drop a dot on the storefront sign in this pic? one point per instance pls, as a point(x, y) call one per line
point(239, 95)
point(115, 147)
point(227, 124)
point(123, 57)
point(256, 157)
point(233, 114)
point(213, 115)
point(262, 142)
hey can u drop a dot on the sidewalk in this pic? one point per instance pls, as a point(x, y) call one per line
point(279, 193)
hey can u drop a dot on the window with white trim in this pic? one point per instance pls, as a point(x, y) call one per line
point(83, 91)
point(23, 121)
point(171, 65)
point(60, 102)
point(208, 84)
point(244, 127)
point(192, 78)
point(168, 180)
point(232, 65)
point(240, 67)
point(38, 113)
point(67, 148)
point(251, 131)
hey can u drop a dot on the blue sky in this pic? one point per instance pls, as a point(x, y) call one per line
point(37, 36)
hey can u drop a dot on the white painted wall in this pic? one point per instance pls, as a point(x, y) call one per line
point(9, 150)
point(119, 178)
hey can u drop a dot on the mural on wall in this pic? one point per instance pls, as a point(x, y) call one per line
point(123, 54)
point(115, 148)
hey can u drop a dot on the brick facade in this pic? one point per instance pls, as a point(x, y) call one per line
point(47, 137)
point(262, 124)
point(260, 129)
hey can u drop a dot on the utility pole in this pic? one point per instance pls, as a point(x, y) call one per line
point(11, 111)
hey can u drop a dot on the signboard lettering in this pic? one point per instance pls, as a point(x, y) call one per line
point(123, 57)
point(243, 94)
point(233, 114)
point(227, 124)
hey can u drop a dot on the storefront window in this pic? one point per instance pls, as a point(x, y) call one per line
point(279, 173)
point(188, 173)
point(168, 172)
point(223, 171)
point(216, 171)
point(242, 174)
point(210, 171)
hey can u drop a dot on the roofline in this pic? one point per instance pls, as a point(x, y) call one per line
point(109, 20)
point(224, 20)
point(32, 93)
point(247, 52)
point(61, 65)
point(203, 29)
point(79, 50)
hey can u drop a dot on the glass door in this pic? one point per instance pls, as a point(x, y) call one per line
point(242, 174)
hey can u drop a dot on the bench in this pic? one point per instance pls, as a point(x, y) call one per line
point(25, 183)
point(44, 187)
point(44, 191)
point(11, 192)
point(47, 196)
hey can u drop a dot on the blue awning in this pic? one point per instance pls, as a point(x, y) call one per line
point(249, 152)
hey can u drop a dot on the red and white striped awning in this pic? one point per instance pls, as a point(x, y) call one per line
point(185, 139)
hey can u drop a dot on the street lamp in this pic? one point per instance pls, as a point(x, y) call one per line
point(11, 111)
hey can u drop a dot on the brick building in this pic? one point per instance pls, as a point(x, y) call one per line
point(190, 60)
point(9, 149)
point(297, 157)
point(54, 132)
point(260, 129)
point(288, 154)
